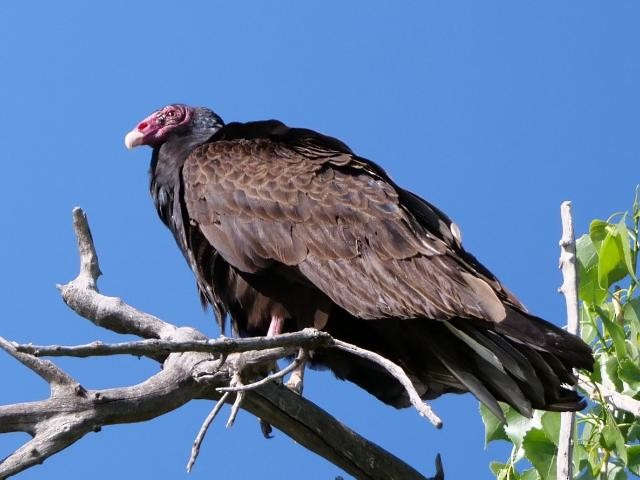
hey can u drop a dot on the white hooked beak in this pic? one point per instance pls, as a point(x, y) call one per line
point(133, 138)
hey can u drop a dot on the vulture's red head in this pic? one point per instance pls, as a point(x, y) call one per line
point(154, 129)
point(173, 119)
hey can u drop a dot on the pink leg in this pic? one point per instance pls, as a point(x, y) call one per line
point(295, 380)
point(276, 326)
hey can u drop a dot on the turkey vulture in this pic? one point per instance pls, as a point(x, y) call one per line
point(286, 228)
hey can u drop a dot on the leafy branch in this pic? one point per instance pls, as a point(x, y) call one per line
point(607, 435)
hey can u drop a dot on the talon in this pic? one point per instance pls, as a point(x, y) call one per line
point(266, 429)
point(295, 382)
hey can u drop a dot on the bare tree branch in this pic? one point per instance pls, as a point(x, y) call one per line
point(308, 338)
point(189, 371)
point(569, 288)
point(599, 392)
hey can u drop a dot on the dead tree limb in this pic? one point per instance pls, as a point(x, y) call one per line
point(569, 288)
point(193, 367)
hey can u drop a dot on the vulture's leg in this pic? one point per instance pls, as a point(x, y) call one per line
point(276, 325)
point(297, 375)
point(275, 328)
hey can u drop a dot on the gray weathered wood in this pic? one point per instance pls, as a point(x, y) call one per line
point(72, 411)
point(569, 288)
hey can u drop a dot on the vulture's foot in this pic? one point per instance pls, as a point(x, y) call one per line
point(295, 382)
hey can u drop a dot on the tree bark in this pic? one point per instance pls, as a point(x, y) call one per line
point(193, 367)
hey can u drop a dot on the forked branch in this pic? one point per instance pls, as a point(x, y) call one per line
point(193, 366)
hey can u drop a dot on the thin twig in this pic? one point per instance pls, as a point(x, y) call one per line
point(270, 378)
point(235, 381)
point(399, 374)
point(195, 449)
point(569, 288)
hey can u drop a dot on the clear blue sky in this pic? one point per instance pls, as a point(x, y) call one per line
point(495, 111)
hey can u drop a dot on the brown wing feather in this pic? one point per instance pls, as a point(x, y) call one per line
point(345, 229)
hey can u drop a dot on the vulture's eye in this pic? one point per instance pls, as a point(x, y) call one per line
point(171, 114)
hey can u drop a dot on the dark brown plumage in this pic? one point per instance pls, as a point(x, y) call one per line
point(287, 223)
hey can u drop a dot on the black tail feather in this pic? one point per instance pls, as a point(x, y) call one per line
point(533, 331)
point(526, 367)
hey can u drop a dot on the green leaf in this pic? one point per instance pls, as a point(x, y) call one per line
point(585, 474)
point(631, 312)
point(613, 439)
point(588, 331)
point(632, 347)
point(609, 370)
point(631, 317)
point(616, 473)
point(587, 430)
point(609, 436)
point(503, 471)
point(588, 288)
point(496, 467)
point(551, 426)
point(598, 230)
point(611, 261)
point(633, 459)
point(614, 252)
point(633, 434)
point(624, 420)
point(629, 372)
point(598, 367)
point(517, 426)
point(595, 462)
point(541, 452)
point(531, 474)
point(623, 235)
point(493, 427)
point(615, 331)
point(580, 461)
